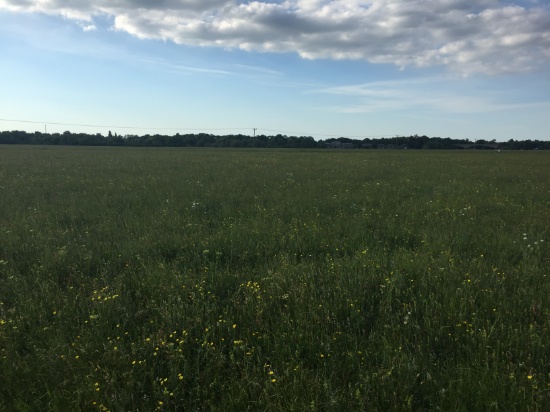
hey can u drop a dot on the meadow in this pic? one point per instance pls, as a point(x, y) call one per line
point(142, 279)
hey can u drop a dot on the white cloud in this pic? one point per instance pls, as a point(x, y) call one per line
point(89, 27)
point(435, 94)
point(486, 36)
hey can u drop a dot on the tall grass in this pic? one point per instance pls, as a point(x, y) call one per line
point(196, 279)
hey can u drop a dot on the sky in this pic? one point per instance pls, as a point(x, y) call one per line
point(322, 68)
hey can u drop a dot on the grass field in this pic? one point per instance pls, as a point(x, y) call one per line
point(273, 280)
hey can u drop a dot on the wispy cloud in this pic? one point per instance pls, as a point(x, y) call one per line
point(257, 70)
point(431, 94)
point(485, 36)
point(172, 67)
point(89, 27)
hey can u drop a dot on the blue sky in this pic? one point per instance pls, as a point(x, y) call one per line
point(324, 68)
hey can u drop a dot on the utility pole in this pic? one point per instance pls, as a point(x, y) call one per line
point(254, 137)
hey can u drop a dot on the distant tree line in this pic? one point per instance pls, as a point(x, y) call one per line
point(156, 140)
point(437, 143)
point(276, 141)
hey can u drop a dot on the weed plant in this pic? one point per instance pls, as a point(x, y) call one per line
point(266, 280)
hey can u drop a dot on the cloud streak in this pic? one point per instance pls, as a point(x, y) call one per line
point(432, 95)
point(486, 36)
